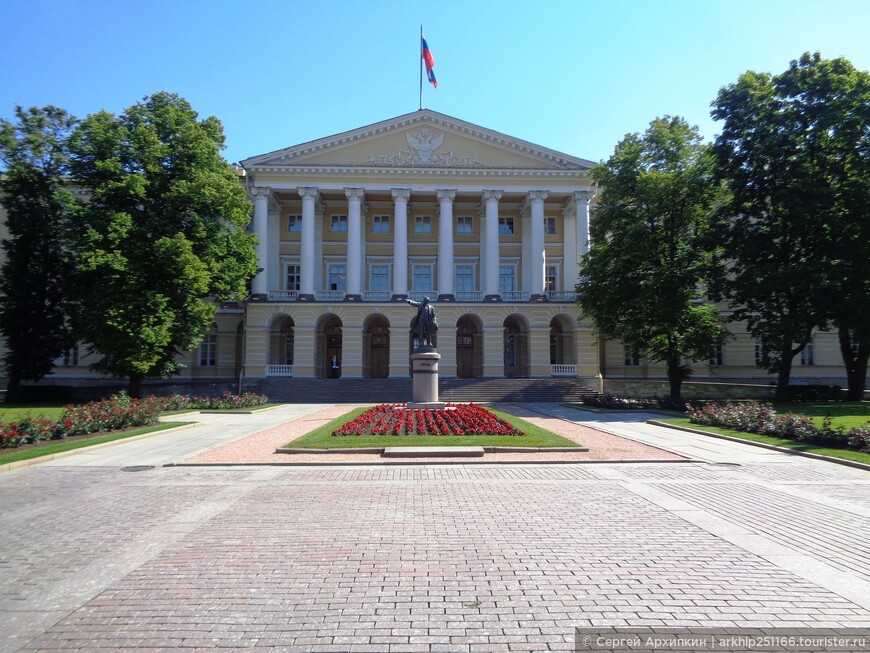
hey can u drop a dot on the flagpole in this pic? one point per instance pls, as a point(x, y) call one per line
point(421, 66)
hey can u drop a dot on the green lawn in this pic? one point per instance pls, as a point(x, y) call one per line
point(322, 438)
point(17, 412)
point(844, 454)
point(59, 446)
point(848, 414)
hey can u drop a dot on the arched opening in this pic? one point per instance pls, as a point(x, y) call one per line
point(562, 349)
point(281, 344)
point(469, 347)
point(329, 358)
point(516, 347)
point(376, 347)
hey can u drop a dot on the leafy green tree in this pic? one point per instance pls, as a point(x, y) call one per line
point(639, 281)
point(795, 153)
point(32, 319)
point(160, 236)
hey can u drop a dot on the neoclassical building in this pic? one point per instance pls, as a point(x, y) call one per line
point(488, 226)
point(424, 205)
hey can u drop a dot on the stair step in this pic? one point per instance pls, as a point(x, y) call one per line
point(291, 390)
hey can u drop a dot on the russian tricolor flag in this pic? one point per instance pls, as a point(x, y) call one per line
point(430, 62)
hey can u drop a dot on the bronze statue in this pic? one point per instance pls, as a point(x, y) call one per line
point(424, 324)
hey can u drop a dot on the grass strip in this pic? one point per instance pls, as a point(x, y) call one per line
point(844, 454)
point(60, 446)
point(322, 438)
point(18, 412)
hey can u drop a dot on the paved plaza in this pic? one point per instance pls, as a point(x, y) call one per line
point(462, 557)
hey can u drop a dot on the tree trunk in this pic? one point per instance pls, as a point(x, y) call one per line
point(782, 380)
point(13, 387)
point(675, 379)
point(856, 364)
point(134, 389)
point(675, 376)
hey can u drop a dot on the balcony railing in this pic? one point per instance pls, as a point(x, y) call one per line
point(376, 296)
point(469, 296)
point(563, 370)
point(279, 370)
point(329, 295)
point(283, 295)
point(419, 295)
point(514, 296)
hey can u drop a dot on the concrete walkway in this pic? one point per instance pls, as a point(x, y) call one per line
point(422, 558)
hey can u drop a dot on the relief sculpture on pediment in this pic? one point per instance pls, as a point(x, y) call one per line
point(424, 150)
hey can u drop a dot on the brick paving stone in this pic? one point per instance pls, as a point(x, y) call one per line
point(407, 559)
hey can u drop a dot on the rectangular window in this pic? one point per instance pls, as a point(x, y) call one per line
point(208, 349)
point(294, 223)
point(379, 277)
point(71, 356)
point(551, 283)
point(381, 224)
point(464, 225)
point(759, 353)
point(464, 281)
point(632, 356)
point(507, 278)
point(807, 355)
point(293, 277)
point(505, 224)
point(550, 226)
point(717, 355)
point(422, 280)
point(337, 276)
point(338, 224)
point(423, 224)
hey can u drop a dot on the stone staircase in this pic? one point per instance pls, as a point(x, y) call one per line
point(374, 391)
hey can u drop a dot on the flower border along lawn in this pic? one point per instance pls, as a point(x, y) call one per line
point(322, 438)
point(70, 443)
point(844, 454)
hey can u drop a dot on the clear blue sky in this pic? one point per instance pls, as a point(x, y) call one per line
point(575, 76)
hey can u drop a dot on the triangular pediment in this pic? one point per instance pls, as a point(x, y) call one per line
point(421, 140)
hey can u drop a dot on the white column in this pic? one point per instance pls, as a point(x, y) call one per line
point(491, 197)
point(259, 284)
point(569, 244)
point(307, 260)
point(400, 241)
point(582, 199)
point(445, 243)
point(537, 198)
point(273, 250)
point(354, 246)
point(318, 248)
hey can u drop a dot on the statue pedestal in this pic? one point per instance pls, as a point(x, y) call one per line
point(424, 367)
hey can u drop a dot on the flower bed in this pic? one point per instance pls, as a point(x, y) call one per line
point(763, 419)
point(456, 419)
point(118, 412)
